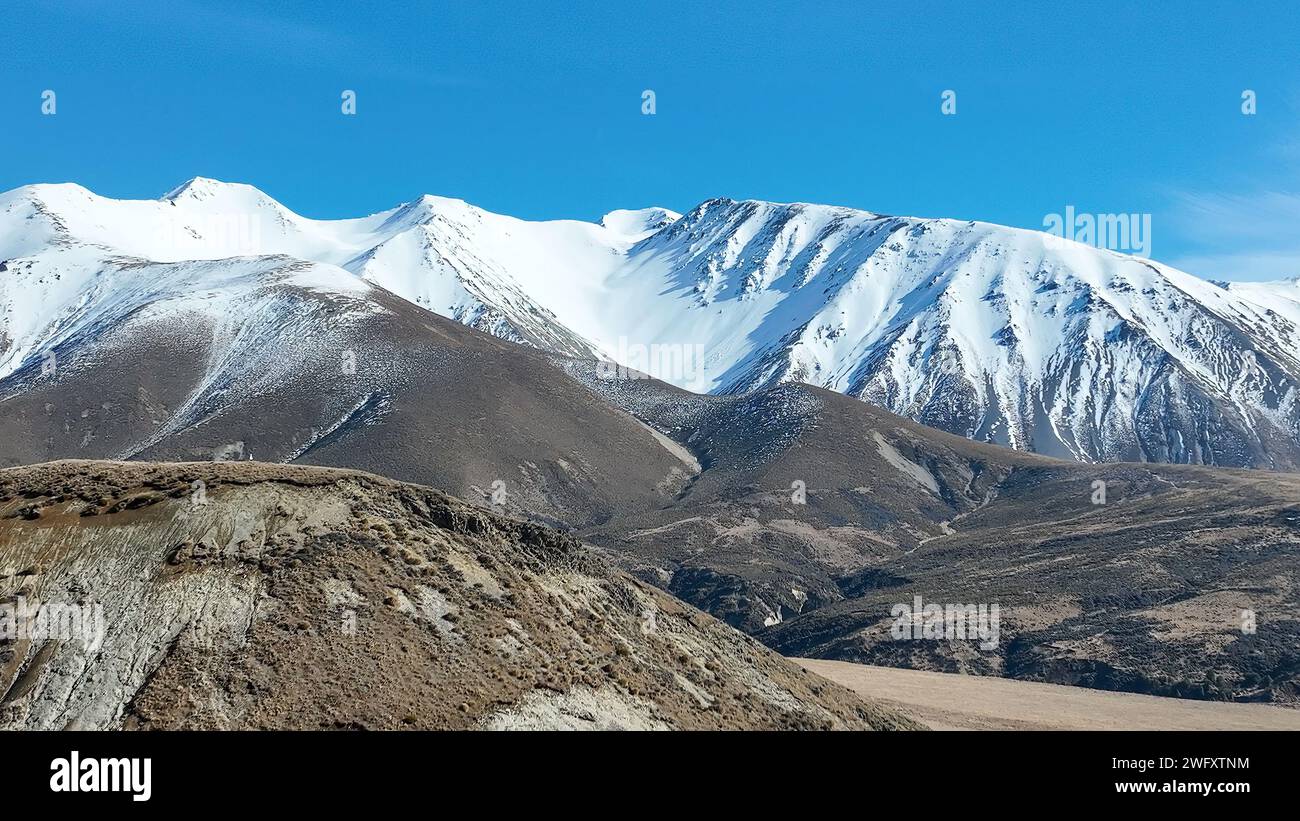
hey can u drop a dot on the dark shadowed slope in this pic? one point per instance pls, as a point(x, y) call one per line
point(815, 515)
point(302, 364)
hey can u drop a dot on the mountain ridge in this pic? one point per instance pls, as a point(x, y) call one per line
point(999, 334)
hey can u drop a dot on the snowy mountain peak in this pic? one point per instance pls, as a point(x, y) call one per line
point(429, 207)
point(49, 191)
point(640, 222)
point(202, 188)
point(999, 334)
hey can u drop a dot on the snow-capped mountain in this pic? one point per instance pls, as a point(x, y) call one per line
point(995, 333)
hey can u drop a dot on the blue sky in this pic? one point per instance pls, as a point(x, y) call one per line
point(536, 113)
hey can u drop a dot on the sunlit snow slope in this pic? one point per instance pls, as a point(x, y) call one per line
point(999, 334)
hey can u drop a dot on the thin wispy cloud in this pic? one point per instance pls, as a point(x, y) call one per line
point(1242, 267)
point(1239, 236)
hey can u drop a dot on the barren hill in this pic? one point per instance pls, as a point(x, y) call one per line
point(246, 595)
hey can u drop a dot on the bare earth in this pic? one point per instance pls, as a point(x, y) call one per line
point(951, 701)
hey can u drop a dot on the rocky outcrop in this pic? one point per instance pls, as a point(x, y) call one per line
point(245, 595)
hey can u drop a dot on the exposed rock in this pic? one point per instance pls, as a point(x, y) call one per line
point(297, 597)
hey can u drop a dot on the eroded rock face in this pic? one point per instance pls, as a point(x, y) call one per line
point(245, 595)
